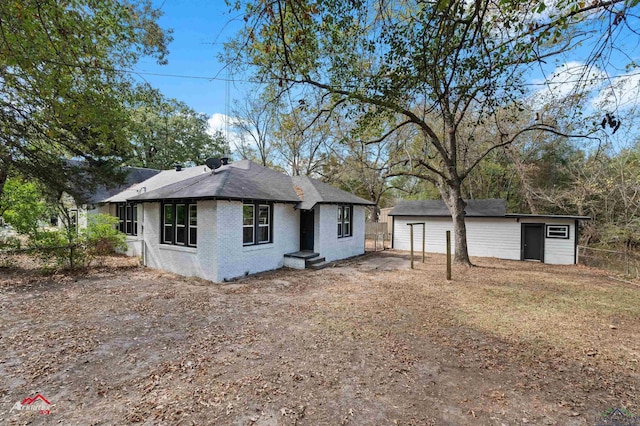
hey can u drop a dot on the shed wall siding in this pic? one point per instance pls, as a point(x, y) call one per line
point(326, 241)
point(486, 237)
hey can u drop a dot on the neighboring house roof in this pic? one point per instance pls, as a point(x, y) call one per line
point(312, 192)
point(244, 180)
point(474, 208)
point(134, 175)
point(437, 208)
point(155, 181)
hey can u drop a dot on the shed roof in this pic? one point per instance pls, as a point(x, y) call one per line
point(437, 208)
point(475, 208)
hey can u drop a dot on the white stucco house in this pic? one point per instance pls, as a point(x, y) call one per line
point(491, 232)
point(239, 219)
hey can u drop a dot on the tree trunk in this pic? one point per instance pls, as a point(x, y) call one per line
point(452, 196)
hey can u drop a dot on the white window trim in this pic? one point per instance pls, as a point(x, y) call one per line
point(252, 226)
point(190, 226)
point(268, 224)
point(552, 229)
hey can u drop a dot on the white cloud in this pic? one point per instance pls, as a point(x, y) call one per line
point(220, 122)
point(620, 92)
point(567, 79)
point(226, 125)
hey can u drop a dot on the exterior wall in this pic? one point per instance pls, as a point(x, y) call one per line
point(326, 241)
point(559, 251)
point(486, 237)
point(220, 254)
point(188, 261)
point(234, 259)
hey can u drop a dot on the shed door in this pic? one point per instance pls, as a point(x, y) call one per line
point(533, 241)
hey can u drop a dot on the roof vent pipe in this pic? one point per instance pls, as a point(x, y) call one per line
point(178, 167)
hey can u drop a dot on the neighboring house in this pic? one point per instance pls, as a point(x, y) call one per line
point(491, 232)
point(77, 213)
point(239, 219)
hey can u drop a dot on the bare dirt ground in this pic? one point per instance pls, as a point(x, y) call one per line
point(368, 341)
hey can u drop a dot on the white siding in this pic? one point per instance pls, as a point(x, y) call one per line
point(486, 237)
point(559, 251)
point(326, 241)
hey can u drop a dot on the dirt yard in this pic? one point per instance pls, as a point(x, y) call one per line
point(367, 342)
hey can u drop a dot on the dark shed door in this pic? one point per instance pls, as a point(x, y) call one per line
point(533, 241)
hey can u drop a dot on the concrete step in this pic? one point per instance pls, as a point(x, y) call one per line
point(319, 265)
point(314, 261)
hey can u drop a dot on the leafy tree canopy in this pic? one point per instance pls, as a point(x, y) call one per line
point(65, 87)
point(439, 67)
point(167, 131)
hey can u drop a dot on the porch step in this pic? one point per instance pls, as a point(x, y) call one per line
point(309, 263)
point(304, 254)
point(319, 265)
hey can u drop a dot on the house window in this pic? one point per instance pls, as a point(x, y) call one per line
point(344, 221)
point(247, 224)
point(256, 223)
point(193, 224)
point(167, 224)
point(558, 231)
point(127, 218)
point(180, 224)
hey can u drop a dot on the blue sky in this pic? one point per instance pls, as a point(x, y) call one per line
point(200, 27)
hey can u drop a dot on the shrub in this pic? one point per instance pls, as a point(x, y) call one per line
point(101, 237)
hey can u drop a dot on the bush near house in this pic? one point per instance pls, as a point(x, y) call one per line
point(24, 208)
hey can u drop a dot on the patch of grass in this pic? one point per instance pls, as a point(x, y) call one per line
point(542, 309)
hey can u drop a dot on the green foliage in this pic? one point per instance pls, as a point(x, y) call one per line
point(25, 210)
point(167, 131)
point(53, 246)
point(63, 92)
point(101, 237)
point(23, 206)
point(74, 248)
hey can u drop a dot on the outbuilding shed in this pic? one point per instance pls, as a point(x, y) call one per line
point(491, 231)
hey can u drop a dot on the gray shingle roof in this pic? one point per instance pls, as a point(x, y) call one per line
point(245, 180)
point(160, 179)
point(313, 192)
point(135, 175)
point(477, 208)
point(241, 180)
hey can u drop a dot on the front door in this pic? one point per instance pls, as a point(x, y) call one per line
point(533, 241)
point(306, 230)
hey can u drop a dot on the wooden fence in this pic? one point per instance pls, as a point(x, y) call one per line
point(377, 236)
